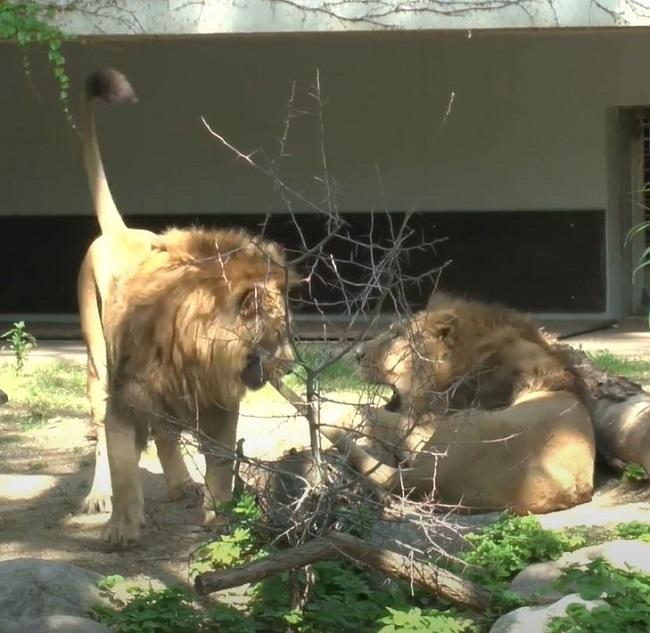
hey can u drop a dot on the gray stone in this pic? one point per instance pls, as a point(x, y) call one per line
point(610, 506)
point(35, 588)
point(538, 579)
point(408, 534)
point(536, 619)
point(52, 624)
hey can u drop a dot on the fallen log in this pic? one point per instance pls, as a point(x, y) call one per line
point(460, 592)
point(620, 412)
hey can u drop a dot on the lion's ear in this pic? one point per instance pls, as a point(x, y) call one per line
point(444, 328)
point(249, 301)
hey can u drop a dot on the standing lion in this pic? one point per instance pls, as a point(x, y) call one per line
point(177, 327)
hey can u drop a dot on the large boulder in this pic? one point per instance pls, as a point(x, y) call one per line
point(32, 588)
point(538, 580)
point(537, 619)
point(52, 624)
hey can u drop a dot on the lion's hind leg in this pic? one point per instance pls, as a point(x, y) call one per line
point(179, 481)
point(125, 441)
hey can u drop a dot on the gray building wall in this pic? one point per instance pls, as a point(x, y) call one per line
point(451, 121)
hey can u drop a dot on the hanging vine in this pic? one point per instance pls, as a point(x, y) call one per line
point(24, 22)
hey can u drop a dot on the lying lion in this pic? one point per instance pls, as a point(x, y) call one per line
point(485, 413)
point(177, 327)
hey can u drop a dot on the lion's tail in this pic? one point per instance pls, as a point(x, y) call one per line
point(113, 87)
point(380, 474)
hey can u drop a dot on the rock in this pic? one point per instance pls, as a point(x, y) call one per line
point(536, 619)
point(538, 579)
point(601, 512)
point(407, 535)
point(52, 624)
point(36, 588)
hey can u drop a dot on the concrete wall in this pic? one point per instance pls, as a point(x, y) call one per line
point(498, 121)
point(96, 17)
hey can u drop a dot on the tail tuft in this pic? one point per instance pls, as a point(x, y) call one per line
point(111, 86)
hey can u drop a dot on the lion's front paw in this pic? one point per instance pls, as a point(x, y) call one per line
point(190, 490)
point(124, 527)
point(97, 501)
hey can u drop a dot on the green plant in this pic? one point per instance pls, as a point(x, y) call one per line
point(640, 229)
point(633, 368)
point(246, 510)
point(241, 545)
point(626, 596)
point(26, 23)
point(20, 342)
point(168, 611)
point(634, 473)
point(339, 375)
point(109, 582)
point(417, 621)
point(42, 391)
point(341, 599)
point(634, 530)
point(504, 548)
point(501, 550)
point(228, 550)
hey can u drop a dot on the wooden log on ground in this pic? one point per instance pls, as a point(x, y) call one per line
point(458, 591)
point(620, 413)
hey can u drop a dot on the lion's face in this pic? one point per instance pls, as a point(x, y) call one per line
point(412, 357)
point(268, 350)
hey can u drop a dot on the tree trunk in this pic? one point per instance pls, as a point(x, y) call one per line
point(620, 411)
point(458, 591)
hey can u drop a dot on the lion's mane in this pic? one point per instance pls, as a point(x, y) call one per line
point(461, 354)
point(186, 322)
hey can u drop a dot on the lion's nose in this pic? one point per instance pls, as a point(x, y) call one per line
point(359, 352)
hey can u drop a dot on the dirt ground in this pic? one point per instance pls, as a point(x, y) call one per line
point(46, 470)
point(45, 473)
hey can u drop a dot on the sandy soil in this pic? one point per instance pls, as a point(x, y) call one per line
point(45, 473)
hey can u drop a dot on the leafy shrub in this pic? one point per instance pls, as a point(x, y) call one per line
point(417, 621)
point(503, 549)
point(236, 548)
point(635, 473)
point(634, 530)
point(626, 595)
point(19, 341)
point(167, 611)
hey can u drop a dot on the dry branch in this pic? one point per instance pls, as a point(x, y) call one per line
point(446, 584)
